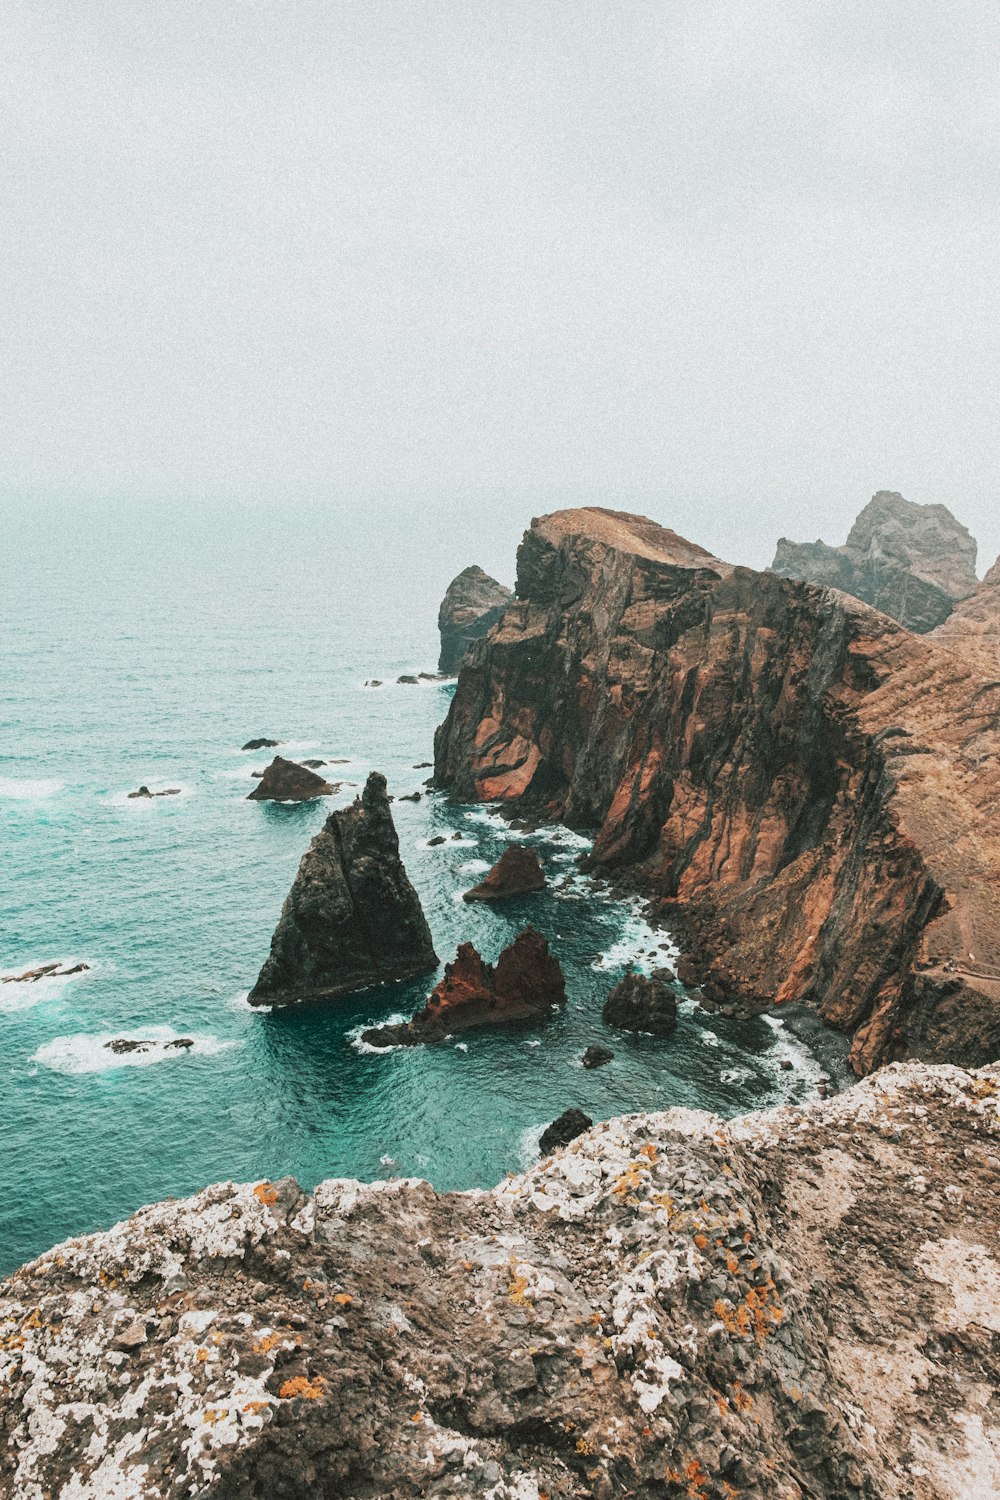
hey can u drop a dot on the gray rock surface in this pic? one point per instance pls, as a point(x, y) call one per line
point(472, 604)
point(910, 561)
point(677, 1306)
point(351, 919)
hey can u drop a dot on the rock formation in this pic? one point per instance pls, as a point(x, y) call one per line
point(285, 781)
point(351, 919)
point(909, 561)
point(44, 971)
point(972, 630)
point(525, 986)
point(261, 744)
point(516, 873)
point(472, 604)
point(143, 792)
point(597, 1057)
point(570, 1124)
point(642, 1003)
point(806, 790)
point(799, 1303)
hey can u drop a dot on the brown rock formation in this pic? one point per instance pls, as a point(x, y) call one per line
point(810, 790)
point(909, 561)
point(525, 985)
point(351, 919)
point(285, 781)
point(802, 1303)
point(472, 604)
point(516, 873)
point(973, 629)
point(640, 1002)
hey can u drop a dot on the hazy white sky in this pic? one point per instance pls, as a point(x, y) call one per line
point(735, 264)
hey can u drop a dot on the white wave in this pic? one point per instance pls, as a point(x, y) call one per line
point(639, 945)
point(387, 1161)
point(354, 1035)
point(241, 1002)
point(461, 1046)
point(31, 992)
point(29, 791)
point(806, 1068)
point(534, 1041)
point(709, 1038)
point(528, 1146)
point(474, 867)
point(735, 1075)
point(87, 1052)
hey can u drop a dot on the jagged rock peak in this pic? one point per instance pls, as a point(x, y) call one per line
point(910, 561)
point(516, 873)
point(351, 919)
point(287, 781)
point(473, 602)
point(801, 1302)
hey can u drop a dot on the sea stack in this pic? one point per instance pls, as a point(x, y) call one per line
point(286, 781)
point(526, 985)
point(912, 562)
point(351, 919)
point(641, 1002)
point(516, 873)
point(472, 604)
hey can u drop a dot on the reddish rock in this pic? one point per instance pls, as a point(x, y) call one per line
point(807, 789)
point(515, 873)
point(285, 781)
point(525, 985)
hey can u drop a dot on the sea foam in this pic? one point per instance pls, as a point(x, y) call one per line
point(87, 1053)
point(29, 791)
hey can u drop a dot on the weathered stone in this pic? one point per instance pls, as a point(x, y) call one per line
point(641, 1003)
point(352, 919)
point(471, 606)
point(570, 1124)
point(261, 744)
point(516, 873)
point(596, 1057)
point(286, 781)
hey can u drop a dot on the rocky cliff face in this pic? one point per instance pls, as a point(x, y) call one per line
point(472, 604)
point(801, 1303)
point(351, 919)
point(973, 629)
point(807, 790)
point(912, 562)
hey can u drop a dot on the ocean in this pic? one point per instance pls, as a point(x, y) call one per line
point(145, 645)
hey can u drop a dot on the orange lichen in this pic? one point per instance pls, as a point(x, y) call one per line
point(266, 1343)
point(201, 1355)
point(701, 1240)
point(417, 1416)
point(255, 1407)
point(343, 1299)
point(266, 1193)
point(299, 1385)
point(518, 1285)
point(648, 1151)
point(756, 1316)
point(629, 1180)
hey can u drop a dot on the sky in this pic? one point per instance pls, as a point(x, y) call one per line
point(734, 265)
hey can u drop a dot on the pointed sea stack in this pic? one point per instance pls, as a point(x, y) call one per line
point(286, 781)
point(473, 603)
point(351, 919)
point(525, 986)
point(516, 873)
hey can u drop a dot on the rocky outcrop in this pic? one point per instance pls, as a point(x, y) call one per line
point(807, 791)
point(471, 606)
point(44, 971)
point(286, 781)
point(516, 873)
point(972, 630)
point(570, 1124)
point(909, 561)
point(144, 792)
point(641, 1002)
point(799, 1303)
point(526, 985)
point(262, 743)
point(351, 919)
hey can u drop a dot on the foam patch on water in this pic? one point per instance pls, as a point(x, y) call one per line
point(354, 1036)
point(87, 1053)
point(31, 992)
point(787, 1048)
point(529, 1146)
point(29, 791)
point(475, 867)
point(639, 946)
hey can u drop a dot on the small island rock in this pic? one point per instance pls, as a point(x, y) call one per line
point(286, 781)
point(261, 744)
point(596, 1057)
point(515, 873)
point(641, 1003)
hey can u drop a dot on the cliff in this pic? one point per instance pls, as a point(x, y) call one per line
point(807, 790)
point(351, 919)
point(800, 1303)
point(908, 561)
point(973, 629)
point(472, 604)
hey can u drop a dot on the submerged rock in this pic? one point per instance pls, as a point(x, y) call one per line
point(313, 765)
point(570, 1124)
point(471, 606)
point(286, 781)
point(351, 919)
point(596, 1057)
point(526, 985)
point(909, 561)
point(44, 971)
point(261, 744)
point(515, 873)
point(795, 1303)
point(170, 791)
point(641, 1003)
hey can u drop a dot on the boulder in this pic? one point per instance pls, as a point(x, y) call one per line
point(570, 1124)
point(261, 744)
point(472, 604)
point(351, 919)
point(515, 873)
point(313, 765)
point(641, 1003)
point(526, 985)
point(286, 781)
point(596, 1057)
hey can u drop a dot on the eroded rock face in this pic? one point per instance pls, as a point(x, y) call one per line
point(525, 986)
point(351, 919)
point(671, 1299)
point(909, 561)
point(286, 781)
point(806, 789)
point(516, 873)
point(472, 604)
point(640, 1002)
point(972, 630)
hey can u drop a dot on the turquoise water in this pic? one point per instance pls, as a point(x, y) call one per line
point(146, 647)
